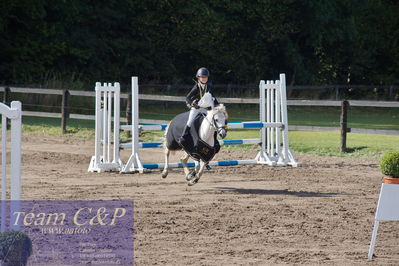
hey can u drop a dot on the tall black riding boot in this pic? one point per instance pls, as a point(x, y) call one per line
point(186, 132)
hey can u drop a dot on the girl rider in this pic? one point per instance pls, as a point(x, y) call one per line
point(200, 88)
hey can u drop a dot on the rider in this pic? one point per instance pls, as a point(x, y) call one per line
point(200, 88)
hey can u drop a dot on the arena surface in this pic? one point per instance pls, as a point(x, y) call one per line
point(319, 213)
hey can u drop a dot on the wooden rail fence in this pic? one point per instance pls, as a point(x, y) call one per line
point(64, 115)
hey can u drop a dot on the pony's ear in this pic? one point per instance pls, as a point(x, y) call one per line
point(220, 106)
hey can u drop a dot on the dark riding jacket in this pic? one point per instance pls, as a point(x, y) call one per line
point(197, 92)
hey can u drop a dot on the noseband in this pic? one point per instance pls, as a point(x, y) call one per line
point(215, 126)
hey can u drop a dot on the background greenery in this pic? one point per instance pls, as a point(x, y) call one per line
point(68, 44)
point(165, 41)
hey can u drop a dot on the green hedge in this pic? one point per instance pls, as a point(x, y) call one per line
point(389, 164)
point(15, 247)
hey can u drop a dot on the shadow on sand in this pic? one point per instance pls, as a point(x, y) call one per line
point(252, 191)
point(355, 149)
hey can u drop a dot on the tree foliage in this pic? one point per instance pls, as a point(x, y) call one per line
point(313, 41)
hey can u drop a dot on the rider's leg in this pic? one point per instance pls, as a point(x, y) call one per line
point(191, 117)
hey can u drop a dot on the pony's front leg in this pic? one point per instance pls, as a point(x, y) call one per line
point(183, 161)
point(199, 171)
point(166, 167)
point(197, 167)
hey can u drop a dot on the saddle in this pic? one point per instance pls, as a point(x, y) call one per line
point(193, 145)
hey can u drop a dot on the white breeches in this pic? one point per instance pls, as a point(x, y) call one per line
point(193, 113)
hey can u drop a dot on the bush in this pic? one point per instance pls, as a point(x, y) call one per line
point(389, 164)
point(15, 247)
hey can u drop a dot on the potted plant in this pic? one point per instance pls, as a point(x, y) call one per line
point(389, 165)
point(15, 248)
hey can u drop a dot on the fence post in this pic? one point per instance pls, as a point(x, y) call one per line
point(390, 96)
point(337, 92)
point(344, 124)
point(129, 113)
point(6, 95)
point(168, 89)
point(64, 110)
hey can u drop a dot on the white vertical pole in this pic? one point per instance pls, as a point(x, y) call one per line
point(134, 163)
point(105, 124)
point(3, 171)
point(109, 120)
point(16, 137)
point(116, 121)
point(373, 238)
point(262, 114)
point(284, 117)
point(3, 156)
point(268, 114)
point(97, 149)
point(278, 118)
point(135, 116)
point(272, 117)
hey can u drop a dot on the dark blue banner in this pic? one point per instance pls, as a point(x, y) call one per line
point(67, 232)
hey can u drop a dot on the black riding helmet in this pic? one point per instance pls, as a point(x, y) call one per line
point(202, 72)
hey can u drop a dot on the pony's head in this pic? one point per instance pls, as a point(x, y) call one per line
point(219, 118)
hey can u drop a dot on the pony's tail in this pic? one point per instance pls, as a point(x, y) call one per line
point(165, 141)
point(166, 130)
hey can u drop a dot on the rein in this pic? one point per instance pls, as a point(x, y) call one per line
point(213, 123)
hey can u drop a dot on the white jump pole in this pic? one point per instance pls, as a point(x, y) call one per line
point(277, 105)
point(98, 126)
point(134, 164)
point(16, 136)
point(288, 155)
point(3, 172)
point(15, 115)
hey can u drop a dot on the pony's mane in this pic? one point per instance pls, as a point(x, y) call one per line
point(220, 108)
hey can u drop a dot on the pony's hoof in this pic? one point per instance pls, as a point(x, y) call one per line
point(193, 181)
point(164, 175)
point(191, 175)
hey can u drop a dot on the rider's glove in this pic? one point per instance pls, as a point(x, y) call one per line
point(195, 105)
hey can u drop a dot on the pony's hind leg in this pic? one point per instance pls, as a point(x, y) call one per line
point(165, 169)
point(194, 180)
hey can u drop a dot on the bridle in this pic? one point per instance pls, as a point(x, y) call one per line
point(214, 124)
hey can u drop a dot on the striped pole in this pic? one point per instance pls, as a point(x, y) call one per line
point(232, 125)
point(144, 145)
point(192, 164)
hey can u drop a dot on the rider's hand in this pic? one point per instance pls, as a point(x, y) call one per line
point(195, 105)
